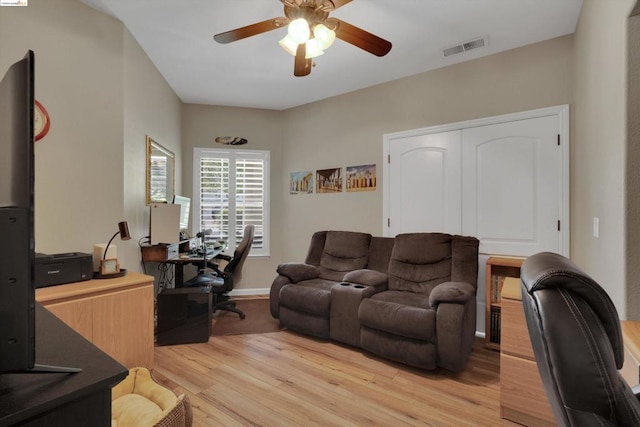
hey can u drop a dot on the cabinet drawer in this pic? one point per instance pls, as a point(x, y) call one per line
point(514, 335)
point(522, 395)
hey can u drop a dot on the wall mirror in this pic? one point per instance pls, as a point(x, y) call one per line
point(160, 173)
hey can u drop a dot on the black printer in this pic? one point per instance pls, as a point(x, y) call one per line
point(62, 268)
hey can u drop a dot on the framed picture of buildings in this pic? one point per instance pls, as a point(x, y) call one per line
point(301, 182)
point(329, 180)
point(361, 178)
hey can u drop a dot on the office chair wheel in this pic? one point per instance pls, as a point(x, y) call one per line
point(242, 316)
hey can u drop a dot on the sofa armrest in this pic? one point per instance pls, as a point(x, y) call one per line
point(367, 277)
point(451, 292)
point(297, 272)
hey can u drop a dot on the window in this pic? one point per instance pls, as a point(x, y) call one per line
point(231, 190)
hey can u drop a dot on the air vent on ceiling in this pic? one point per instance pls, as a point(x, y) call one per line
point(466, 46)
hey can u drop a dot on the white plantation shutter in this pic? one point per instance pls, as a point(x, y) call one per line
point(230, 192)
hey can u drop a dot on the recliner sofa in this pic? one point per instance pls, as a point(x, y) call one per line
point(411, 298)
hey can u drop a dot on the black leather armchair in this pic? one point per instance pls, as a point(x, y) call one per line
point(577, 341)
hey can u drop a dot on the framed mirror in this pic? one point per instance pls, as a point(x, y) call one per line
point(160, 173)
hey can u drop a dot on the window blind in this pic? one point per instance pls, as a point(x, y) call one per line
point(231, 189)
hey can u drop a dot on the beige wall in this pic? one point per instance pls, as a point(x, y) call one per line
point(264, 131)
point(598, 151)
point(632, 170)
point(79, 164)
point(150, 108)
point(103, 95)
point(348, 129)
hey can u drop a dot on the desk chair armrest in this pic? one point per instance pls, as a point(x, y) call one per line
point(223, 257)
point(216, 268)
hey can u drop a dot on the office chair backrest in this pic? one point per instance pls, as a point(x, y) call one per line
point(577, 341)
point(234, 267)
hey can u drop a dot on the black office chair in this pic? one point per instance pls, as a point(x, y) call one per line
point(222, 281)
point(577, 341)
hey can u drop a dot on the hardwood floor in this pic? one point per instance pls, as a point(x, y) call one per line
point(286, 379)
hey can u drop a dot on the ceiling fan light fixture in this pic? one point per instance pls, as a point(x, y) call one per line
point(299, 30)
point(289, 45)
point(324, 36)
point(313, 49)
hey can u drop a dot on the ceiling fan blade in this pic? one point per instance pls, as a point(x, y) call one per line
point(362, 39)
point(251, 30)
point(302, 65)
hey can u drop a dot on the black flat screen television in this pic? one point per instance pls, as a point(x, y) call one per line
point(17, 290)
point(17, 293)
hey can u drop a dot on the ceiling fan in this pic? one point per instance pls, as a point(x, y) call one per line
point(311, 31)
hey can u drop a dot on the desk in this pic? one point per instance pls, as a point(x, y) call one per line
point(80, 399)
point(184, 259)
point(151, 253)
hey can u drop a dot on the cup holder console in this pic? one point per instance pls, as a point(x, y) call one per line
point(351, 284)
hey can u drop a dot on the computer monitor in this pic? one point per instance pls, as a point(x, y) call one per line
point(185, 204)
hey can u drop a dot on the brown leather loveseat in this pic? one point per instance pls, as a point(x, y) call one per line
point(411, 298)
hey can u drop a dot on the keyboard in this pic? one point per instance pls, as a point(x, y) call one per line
point(201, 252)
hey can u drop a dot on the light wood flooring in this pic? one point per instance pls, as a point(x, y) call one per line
point(286, 379)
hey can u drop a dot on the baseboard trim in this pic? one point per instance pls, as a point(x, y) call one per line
point(246, 292)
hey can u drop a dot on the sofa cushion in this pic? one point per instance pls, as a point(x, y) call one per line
point(312, 298)
point(420, 261)
point(380, 253)
point(387, 312)
point(343, 251)
point(404, 298)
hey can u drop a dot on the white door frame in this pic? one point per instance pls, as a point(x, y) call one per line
point(561, 111)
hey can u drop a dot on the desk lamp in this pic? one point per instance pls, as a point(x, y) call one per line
point(109, 267)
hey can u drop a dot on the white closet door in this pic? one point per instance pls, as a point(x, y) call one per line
point(425, 184)
point(511, 179)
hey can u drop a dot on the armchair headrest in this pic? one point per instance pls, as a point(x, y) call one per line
point(548, 270)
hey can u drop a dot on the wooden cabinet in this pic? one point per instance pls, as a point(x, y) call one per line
point(114, 314)
point(522, 396)
point(496, 270)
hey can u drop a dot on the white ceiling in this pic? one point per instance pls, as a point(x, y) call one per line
point(255, 72)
